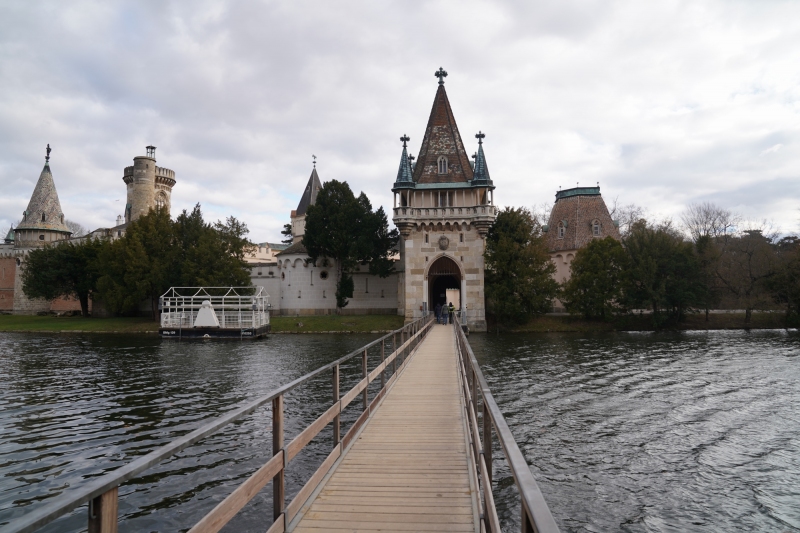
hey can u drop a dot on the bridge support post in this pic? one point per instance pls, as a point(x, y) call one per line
point(336, 425)
point(279, 481)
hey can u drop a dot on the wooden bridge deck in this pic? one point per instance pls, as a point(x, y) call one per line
point(409, 469)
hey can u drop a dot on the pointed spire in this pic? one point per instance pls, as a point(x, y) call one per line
point(404, 171)
point(442, 158)
point(44, 209)
point(481, 176)
point(310, 192)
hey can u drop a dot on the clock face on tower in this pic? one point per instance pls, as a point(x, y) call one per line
point(444, 243)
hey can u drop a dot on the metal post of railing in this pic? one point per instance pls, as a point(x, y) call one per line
point(279, 481)
point(103, 512)
point(394, 348)
point(336, 424)
point(364, 373)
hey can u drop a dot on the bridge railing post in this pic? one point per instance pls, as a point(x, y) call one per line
point(337, 428)
point(103, 512)
point(279, 481)
point(487, 440)
point(383, 358)
point(364, 373)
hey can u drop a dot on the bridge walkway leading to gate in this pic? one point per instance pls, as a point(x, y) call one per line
point(409, 468)
point(419, 456)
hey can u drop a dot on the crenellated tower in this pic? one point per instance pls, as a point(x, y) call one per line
point(149, 186)
point(443, 208)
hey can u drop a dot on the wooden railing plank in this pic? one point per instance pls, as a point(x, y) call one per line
point(103, 512)
point(227, 508)
point(305, 436)
point(311, 484)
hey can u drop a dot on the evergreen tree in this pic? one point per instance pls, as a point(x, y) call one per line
point(344, 228)
point(63, 270)
point(594, 289)
point(665, 273)
point(287, 234)
point(519, 274)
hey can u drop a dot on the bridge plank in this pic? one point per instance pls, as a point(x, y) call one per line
point(409, 468)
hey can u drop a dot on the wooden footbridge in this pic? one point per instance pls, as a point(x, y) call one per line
point(418, 458)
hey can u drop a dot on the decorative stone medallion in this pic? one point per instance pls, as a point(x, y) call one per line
point(444, 243)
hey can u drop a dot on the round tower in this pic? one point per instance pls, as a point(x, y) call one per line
point(148, 186)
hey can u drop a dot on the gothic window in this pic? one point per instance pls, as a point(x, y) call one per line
point(426, 238)
point(161, 200)
point(442, 165)
point(562, 230)
point(595, 228)
point(43, 217)
point(461, 237)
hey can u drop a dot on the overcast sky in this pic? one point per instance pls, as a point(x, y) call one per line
point(663, 102)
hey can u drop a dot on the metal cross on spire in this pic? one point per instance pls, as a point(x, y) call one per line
point(441, 74)
point(405, 138)
point(47, 157)
point(480, 136)
point(314, 158)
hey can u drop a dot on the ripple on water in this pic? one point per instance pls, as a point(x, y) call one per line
point(653, 432)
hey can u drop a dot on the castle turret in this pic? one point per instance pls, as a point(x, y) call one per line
point(43, 221)
point(149, 186)
point(309, 198)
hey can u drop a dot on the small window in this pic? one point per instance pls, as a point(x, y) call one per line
point(299, 294)
point(41, 237)
point(562, 230)
point(442, 165)
point(323, 274)
point(461, 237)
point(426, 238)
point(259, 272)
point(366, 285)
point(283, 275)
point(596, 228)
point(43, 217)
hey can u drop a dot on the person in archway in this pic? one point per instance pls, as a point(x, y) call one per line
point(451, 310)
point(438, 311)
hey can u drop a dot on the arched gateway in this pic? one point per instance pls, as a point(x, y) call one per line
point(443, 274)
point(443, 207)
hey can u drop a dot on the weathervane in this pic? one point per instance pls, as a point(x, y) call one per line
point(405, 139)
point(314, 160)
point(47, 157)
point(441, 74)
point(480, 136)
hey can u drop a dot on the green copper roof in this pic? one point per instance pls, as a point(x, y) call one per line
point(404, 171)
point(481, 175)
point(578, 191)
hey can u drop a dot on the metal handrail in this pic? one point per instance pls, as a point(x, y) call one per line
point(536, 515)
point(100, 491)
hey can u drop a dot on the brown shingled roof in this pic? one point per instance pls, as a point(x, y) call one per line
point(44, 200)
point(579, 211)
point(442, 139)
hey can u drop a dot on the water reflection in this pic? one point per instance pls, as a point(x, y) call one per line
point(653, 432)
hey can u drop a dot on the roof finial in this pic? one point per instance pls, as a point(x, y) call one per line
point(411, 158)
point(480, 136)
point(314, 158)
point(405, 139)
point(475, 155)
point(47, 157)
point(441, 74)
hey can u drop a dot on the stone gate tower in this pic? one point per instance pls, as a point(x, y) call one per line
point(443, 208)
point(148, 186)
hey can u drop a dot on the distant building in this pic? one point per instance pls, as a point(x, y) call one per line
point(43, 223)
point(578, 216)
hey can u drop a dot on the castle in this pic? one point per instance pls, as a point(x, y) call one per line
point(443, 208)
point(43, 223)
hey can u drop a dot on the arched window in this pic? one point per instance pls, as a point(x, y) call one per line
point(562, 229)
point(442, 165)
point(161, 200)
point(43, 217)
point(595, 228)
point(403, 201)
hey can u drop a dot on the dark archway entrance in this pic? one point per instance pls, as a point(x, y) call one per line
point(443, 274)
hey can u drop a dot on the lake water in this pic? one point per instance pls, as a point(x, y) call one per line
point(624, 432)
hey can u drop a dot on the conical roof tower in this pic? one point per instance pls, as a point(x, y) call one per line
point(404, 178)
point(309, 194)
point(481, 172)
point(442, 158)
point(43, 220)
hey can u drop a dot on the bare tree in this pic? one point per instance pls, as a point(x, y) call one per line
point(626, 216)
point(540, 214)
point(709, 220)
point(76, 229)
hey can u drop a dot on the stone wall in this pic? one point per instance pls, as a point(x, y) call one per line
point(8, 269)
